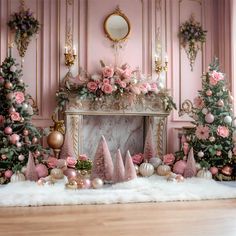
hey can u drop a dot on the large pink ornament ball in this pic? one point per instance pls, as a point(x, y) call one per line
point(87, 183)
point(209, 118)
point(70, 173)
point(8, 130)
point(8, 174)
point(41, 170)
point(214, 170)
point(179, 167)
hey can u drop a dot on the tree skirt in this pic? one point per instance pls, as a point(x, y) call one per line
point(152, 189)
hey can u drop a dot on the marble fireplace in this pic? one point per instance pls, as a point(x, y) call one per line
point(124, 127)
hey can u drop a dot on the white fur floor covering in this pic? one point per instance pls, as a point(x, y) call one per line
point(152, 189)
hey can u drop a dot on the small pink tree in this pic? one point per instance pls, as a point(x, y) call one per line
point(190, 169)
point(102, 163)
point(149, 151)
point(31, 173)
point(130, 172)
point(67, 148)
point(119, 169)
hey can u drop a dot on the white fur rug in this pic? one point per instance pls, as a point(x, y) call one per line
point(152, 189)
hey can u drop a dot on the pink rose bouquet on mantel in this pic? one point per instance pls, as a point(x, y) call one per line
point(168, 159)
point(137, 158)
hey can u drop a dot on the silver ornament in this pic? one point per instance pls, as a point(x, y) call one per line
point(228, 120)
point(212, 139)
point(200, 154)
point(155, 161)
point(25, 106)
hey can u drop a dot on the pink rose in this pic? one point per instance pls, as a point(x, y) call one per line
point(106, 81)
point(1, 119)
point(107, 88)
point(216, 77)
point(122, 84)
point(198, 102)
point(52, 162)
point(135, 90)
point(107, 72)
point(169, 159)
point(71, 161)
point(78, 80)
point(154, 87)
point(127, 73)
point(223, 131)
point(19, 97)
point(137, 158)
point(83, 157)
point(92, 86)
point(15, 116)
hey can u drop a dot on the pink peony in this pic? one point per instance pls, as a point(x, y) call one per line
point(137, 158)
point(216, 77)
point(19, 97)
point(122, 84)
point(202, 132)
point(1, 119)
point(107, 72)
point(15, 116)
point(107, 88)
point(92, 86)
point(223, 131)
point(154, 87)
point(52, 162)
point(198, 102)
point(71, 161)
point(168, 159)
point(83, 157)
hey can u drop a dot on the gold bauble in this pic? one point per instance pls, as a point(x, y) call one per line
point(55, 140)
point(57, 173)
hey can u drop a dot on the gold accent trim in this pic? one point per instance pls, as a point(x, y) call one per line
point(121, 14)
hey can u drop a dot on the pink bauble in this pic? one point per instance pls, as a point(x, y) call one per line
point(14, 138)
point(209, 92)
point(19, 144)
point(37, 153)
point(26, 132)
point(220, 103)
point(41, 170)
point(87, 183)
point(12, 109)
point(8, 174)
point(21, 157)
point(209, 118)
point(214, 170)
point(70, 173)
point(8, 130)
point(179, 167)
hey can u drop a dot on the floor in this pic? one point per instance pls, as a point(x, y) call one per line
point(203, 218)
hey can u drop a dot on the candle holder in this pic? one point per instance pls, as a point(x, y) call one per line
point(70, 56)
point(159, 66)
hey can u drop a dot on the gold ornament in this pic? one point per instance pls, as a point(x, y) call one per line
point(227, 170)
point(163, 170)
point(55, 141)
point(72, 184)
point(57, 173)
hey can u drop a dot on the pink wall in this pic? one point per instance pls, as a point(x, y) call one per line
point(44, 62)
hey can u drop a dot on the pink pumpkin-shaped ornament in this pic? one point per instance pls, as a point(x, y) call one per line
point(41, 170)
point(179, 167)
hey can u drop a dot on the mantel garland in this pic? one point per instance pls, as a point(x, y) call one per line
point(191, 35)
point(25, 26)
point(120, 84)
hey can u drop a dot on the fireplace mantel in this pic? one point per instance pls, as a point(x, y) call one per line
point(152, 111)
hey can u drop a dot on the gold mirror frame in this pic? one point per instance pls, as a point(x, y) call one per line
point(117, 12)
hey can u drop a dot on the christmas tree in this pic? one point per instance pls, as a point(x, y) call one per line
point(213, 137)
point(18, 136)
point(119, 169)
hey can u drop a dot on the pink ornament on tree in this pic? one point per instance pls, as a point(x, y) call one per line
point(190, 169)
point(130, 172)
point(8, 174)
point(102, 163)
point(149, 151)
point(14, 138)
point(31, 173)
point(8, 130)
point(214, 170)
point(119, 169)
point(41, 170)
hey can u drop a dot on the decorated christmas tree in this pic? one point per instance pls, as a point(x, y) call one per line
point(213, 137)
point(18, 136)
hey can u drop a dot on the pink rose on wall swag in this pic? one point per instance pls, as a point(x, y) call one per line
point(107, 72)
point(19, 97)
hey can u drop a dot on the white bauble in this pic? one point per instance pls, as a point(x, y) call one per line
point(17, 177)
point(30, 110)
point(200, 154)
point(163, 170)
point(204, 111)
point(228, 120)
point(198, 166)
point(25, 106)
point(146, 169)
point(97, 183)
point(212, 139)
point(230, 154)
point(204, 173)
point(155, 161)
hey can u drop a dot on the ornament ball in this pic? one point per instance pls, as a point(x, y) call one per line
point(21, 157)
point(24, 106)
point(8, 85)
point(19, 144)
point(97, 183)
point(228, 119)
point(8, 130)
point(12, 109)
point(204, 111)
point(212, 139)
point(220, 103)
point(25, 132)
point(10, 96)
point(208, 92)
point(209, 118)
point(8, 174)
point(200, 154)
point(34, 140)
point(3, 156)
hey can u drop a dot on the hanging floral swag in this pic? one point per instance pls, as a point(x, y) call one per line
point(114, 84)
point(191, 35)
point(25, 26)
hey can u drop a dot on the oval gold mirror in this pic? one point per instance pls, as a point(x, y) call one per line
point(117, 26)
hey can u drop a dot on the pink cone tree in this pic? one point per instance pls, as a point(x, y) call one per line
point(102, 163)
point(130, 172)
point(190, 169)
point(119, 169)
point(149, 151)
point(67, 149)
point(31, 173)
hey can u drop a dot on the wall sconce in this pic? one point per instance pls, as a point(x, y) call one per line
point(159, 66)
point(70, 56)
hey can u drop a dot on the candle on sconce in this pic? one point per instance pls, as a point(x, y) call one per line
point(74, 50)
point(166, 58)
point(66, 49)
point(157, 57)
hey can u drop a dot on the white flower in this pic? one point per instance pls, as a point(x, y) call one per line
point(30, 110)
point(96, 77)
point(13, 68)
